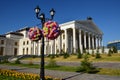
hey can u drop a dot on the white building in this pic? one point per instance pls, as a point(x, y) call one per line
point(83, 34)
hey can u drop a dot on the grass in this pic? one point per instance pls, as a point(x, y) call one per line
point(73, 58)
point(108, 71)
point(104, 71)
point(63, 68)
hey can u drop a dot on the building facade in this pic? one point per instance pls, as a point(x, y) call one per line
point(83, 35)
point(115, 44)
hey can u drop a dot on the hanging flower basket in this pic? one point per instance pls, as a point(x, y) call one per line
point(35, 34)
point(51, 30)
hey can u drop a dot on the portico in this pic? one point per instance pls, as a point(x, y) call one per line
point(83, 35)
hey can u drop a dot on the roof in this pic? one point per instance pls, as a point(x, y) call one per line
point(115, 41)
point(89, 24)
point(26, 28)
point(15, 33)
point(2, 35)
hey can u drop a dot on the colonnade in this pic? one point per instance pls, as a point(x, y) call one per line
point(80, 39)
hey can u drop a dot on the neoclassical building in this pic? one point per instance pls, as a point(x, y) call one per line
point(77, 34)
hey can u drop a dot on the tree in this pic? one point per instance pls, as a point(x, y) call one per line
point(86, 66)
point(110, 52)
point(98, 54)
point(114, 49)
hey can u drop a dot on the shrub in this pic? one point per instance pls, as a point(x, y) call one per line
point(87, 66)
point(98, 54)
point(109, 53)
point(17, 61)
point(79, 55)
point(66, 55)
point(52, 63)
point(4, 60)
point(52, 56)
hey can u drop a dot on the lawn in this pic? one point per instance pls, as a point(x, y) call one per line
point(104, 58)
point(104, 71)
point(73, 58)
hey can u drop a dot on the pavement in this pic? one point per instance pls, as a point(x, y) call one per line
point(70, 75)
point(96, 64)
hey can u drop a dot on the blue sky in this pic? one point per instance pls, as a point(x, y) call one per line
point(16, 14)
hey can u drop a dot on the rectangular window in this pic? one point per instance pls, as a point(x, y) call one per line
point(27, 42)
point(16, 43)
point(1, 50)
point(15, 51)
point(2, 41)
point(23, 42)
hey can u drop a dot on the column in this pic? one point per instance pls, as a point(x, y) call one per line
point(51, 47)
point(55, 45)
point(89, 41)
point(96, 42)
point(60, 43)
point(99, 42)
point(36, 48)
point(93, 41)
point(39, 48)
point(66, 40)
point(74, 40)
point(80, 41)
point(85, 40)
point(33, 48)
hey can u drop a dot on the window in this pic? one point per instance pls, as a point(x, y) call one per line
point(27, 42)
point(15, 51)
point(2, 41)
point(1, 50)
point(23, 51)
point(27, 51)
point(16, 43)
point(23, 42)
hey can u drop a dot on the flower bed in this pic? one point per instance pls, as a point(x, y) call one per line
point(22, 76)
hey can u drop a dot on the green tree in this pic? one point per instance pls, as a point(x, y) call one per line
point(109, 52)
point(114, 49)
point(86, 66)
point(97, 54)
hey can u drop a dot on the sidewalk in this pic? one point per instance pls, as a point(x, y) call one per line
point(97, 64)
point(62, 74)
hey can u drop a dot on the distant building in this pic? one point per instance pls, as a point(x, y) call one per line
point(115, 43)
point(78, 34)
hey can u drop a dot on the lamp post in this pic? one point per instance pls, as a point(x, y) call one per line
point(41, 16)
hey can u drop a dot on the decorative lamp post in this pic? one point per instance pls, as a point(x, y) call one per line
point(41, 16)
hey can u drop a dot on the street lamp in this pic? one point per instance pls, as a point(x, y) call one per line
point(41, 16)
